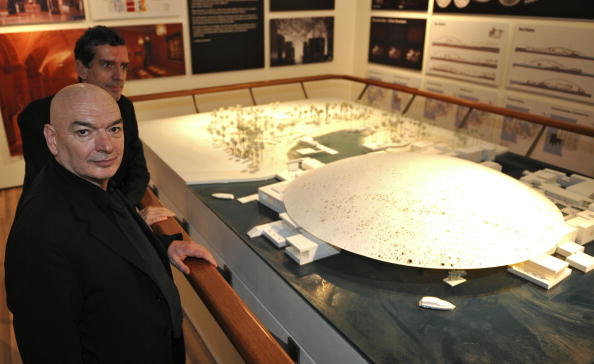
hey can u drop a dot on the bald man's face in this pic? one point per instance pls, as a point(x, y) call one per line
point(86, 136)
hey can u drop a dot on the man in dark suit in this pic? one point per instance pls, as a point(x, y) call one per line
point(86, 279)
point(101, 59)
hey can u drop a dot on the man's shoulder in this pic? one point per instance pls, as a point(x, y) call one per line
point(37, 111)
point(125, 102)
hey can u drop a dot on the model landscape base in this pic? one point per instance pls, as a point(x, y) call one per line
point(574, 192)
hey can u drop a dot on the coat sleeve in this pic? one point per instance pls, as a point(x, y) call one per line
point(135, 177)
point(44, 295)
point(31, 122)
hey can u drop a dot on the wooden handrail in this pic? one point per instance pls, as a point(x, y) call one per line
point(537, 119)
point(251, 339)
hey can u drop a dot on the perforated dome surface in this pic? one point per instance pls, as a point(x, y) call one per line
point(424, 211)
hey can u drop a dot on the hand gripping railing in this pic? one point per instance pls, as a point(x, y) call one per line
point(251, 339)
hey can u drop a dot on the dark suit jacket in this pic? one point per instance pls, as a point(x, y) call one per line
point(132, 176)
point(78, 290)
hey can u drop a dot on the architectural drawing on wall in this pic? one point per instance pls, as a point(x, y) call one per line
point(13, 12)
point(470, 51)
point(386, 99)
point(124, 9)
point(397, 42)
point(479, 124)
point(301, 40)
point(543, 61)
point(550, 8)
point(558, 147)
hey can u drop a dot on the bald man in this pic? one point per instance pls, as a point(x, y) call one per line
point(86, 279)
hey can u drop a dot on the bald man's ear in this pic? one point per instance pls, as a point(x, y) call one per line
point(50, 138)
point(83, 72)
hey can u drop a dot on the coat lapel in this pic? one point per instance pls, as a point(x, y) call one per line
point(98, 224)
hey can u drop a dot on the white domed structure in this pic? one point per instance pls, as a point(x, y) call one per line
point(424, 211)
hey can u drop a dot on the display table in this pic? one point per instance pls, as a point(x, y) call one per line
point(348, 308)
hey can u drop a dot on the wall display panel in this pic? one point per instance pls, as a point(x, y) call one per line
point(477, 123)
point(399, 4)
point(39, 64)
point(124, 9)
point(293, 5)
point(556, 61)
point(154, 50)
point(301, 40)
point(226, 35)
point(35, 65)
point(388, 99)
point(583, 9)
point(14, 12)
point(397, 42)
point(471, 51)
point(558, 147)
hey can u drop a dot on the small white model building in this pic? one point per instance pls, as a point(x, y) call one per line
point(305, 248)
point(581, 261)
point(272, 196)
point(545, 271)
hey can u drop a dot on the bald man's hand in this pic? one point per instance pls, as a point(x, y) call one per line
point(179, 250)
point(154, 214)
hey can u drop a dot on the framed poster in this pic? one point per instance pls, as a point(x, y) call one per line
point(226, 35)
point(39, 64)
point(471, 51)
point(15, 12)
point(301, 40)
point(548, 8)
point(399, 4)
point(124, 9)
point(294, 5)
point(555, 61)
point(397, 42)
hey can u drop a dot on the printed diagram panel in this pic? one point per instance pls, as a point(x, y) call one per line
point(479, 124)
point(470, 51)
point(545, 61)
point(558, 147)
point(388, 99)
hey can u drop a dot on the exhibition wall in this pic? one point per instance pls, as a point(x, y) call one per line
point(400, 41)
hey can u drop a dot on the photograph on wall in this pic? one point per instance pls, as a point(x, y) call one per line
point(580, 9)
point(301, 40)
point(20, 12)
point(154, 50)
point(397, 42)
point(226, 35)
point(555, 61)
point(558, 147)
point(475, 123)
point(296, 5)
point(126, 9)
point(399, 4)
point(39, 64)
point(471, 51)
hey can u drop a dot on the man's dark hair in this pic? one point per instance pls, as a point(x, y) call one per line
point(84, 50)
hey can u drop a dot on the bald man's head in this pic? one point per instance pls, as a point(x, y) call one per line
point(86, 132)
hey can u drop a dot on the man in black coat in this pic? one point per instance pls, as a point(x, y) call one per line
point(101, 59)
point(86, 279)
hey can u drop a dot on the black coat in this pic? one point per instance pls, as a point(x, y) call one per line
point(132, 176)
point(78, 290)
